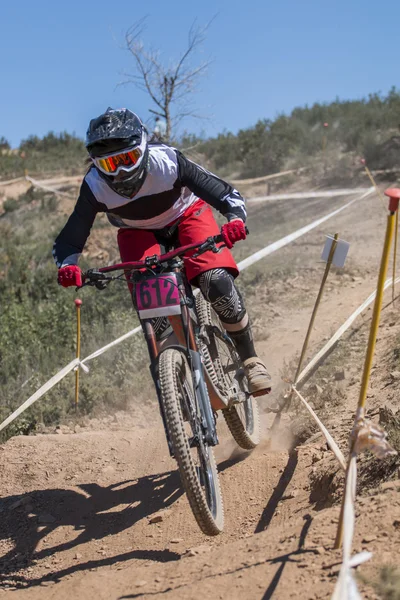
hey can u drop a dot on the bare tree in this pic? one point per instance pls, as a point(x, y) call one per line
point(170, 85)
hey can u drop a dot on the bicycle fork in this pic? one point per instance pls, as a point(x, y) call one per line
point(196, 367)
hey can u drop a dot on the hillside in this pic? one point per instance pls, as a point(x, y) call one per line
point(335, 134)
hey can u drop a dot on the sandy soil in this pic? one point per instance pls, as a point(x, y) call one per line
point(77, 507)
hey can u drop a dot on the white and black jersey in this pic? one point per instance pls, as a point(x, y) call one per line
point(173, 183)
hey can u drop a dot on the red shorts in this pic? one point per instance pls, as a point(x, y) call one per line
point(196, 224)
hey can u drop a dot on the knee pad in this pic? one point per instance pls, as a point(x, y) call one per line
point(218, 287)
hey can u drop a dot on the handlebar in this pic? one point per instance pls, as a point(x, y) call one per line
point(98, 278)
point(158, 259)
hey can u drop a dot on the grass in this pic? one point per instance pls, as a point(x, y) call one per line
point(37, 327)
point(386, 584)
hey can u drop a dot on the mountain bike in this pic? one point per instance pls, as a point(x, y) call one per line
point(195, 377)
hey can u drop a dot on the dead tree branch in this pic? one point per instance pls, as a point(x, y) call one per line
point(169, 86)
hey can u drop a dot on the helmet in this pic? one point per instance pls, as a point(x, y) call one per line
point(117, 143)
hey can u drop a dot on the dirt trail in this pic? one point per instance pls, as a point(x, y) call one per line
point(77, 507)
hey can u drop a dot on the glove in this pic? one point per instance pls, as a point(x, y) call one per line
point(71, 275)
point(232, 232)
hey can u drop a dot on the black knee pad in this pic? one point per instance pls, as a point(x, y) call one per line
point(218, 287)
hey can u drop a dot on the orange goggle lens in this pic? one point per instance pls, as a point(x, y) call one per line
point(111, 164)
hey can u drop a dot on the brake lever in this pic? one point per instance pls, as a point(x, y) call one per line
point(95, 279)
point(217, 249)
point(207, 245)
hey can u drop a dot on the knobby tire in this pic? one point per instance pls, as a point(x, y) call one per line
point(175, 381)
point(243, 419)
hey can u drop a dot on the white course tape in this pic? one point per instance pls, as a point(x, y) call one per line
point(244, 264)
point(305, 195)
point(342, 329)
point(346, 587)
point(45, 388)
point(11, 181)
point(267, 177)
point(247, 262)
point(46, 187)
point(330, 441)
point(72, 366)
point(114, 343)
point(360, 558)
point(73, 180)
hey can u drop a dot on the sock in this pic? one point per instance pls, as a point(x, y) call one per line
point(243, 340)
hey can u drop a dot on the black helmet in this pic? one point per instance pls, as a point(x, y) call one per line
point(119, 131)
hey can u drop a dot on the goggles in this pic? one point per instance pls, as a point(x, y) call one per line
point(112, 164)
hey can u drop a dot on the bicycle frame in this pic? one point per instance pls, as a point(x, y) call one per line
point(161, 290)
point(165, 294)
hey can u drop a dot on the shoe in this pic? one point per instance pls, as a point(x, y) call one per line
point(258, 378)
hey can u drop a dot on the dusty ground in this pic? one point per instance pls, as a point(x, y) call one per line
point(76, 507)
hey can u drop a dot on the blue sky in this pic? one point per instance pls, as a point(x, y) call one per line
point(61, 61)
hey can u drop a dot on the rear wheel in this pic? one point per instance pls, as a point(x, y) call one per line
point(225, 369)
point(195, 458)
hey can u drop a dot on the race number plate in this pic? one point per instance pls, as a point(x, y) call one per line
point(158, 296)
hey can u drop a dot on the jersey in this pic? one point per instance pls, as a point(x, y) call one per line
point(173, 183)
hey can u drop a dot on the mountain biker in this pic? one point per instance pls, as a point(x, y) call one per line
point(153, 193)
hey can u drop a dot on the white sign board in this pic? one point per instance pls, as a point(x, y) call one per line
point(340, 254)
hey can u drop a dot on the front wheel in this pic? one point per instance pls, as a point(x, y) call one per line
point(195, 458)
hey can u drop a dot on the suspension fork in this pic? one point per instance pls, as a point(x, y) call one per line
point(183, 329)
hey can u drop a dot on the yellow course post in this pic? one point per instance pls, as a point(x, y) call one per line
point(314, 313)
point(316, 305)
point(394, 195)
point(78, 304)
point(396, 234)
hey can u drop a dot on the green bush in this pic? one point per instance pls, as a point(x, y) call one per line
point(354, 126)
point(10, 204)
point(4, 144)
point(54, 153)
point(38, 325)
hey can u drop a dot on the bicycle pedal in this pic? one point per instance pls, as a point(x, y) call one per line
point(237, 398)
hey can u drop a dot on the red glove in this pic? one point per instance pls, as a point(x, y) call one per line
point(232, 232)
point(71, 275)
